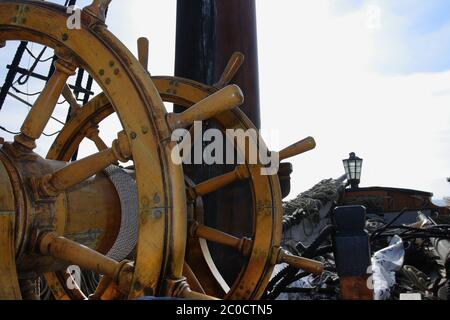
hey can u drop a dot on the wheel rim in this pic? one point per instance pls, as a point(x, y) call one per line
point(266, 194)
point(160, 256)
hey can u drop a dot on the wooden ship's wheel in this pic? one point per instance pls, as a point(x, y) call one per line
point(55, 213)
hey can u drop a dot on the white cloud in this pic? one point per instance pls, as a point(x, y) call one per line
point(317, 79)
point(411, 34)
point(154, 19)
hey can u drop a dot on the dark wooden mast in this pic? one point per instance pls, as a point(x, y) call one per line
point(208, 33)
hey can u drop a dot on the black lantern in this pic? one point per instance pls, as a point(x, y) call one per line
point(353, 167)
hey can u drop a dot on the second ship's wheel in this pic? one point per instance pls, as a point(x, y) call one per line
point(260, 248)
point(43, 198)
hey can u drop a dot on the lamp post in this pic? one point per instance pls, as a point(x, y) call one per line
point(353, 167)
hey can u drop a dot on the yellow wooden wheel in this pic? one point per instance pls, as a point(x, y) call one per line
point(42, 196)
point(261, 247)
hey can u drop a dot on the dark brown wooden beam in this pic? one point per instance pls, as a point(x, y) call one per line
point(236, 31)
point(208, 33)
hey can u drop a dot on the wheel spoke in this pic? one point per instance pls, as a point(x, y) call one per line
point(180, 289)
point(243, 245)
point(51, 244)
point(77, 172)
point(192, 279)
point(98, 9)
point(103, 285)
point(225, 99)
point(307, 265)
point(232, 68)
point(298, 148)
point(143, 50)
point(40, 114)
point(240, 173)
point(93, 134)
point(71, 100)
point(76, 290)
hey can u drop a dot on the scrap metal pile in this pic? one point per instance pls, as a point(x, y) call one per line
point(408, 260)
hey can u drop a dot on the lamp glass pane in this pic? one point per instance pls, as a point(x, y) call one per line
point(352, 168)
point(347, 169)
point(358, 169)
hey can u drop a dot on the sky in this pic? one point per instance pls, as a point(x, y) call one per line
point(370, 77)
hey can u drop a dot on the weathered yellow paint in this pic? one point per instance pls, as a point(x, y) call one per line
point(161, 260)
point(126, 85)
point(9, 283)
point(267, 235)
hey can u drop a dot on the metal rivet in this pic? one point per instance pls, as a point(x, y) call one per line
point(133, 135)
point(145, 130)
point(157, 213)
point(111, 63)
point(102, 72)
point(65, 37)
point(156, 198)
point(108, 81)
point(116, 71)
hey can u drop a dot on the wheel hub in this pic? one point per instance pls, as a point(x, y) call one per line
point(21, 172)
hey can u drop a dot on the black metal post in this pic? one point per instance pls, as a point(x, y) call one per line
point(12, 72)
point(352, 252)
